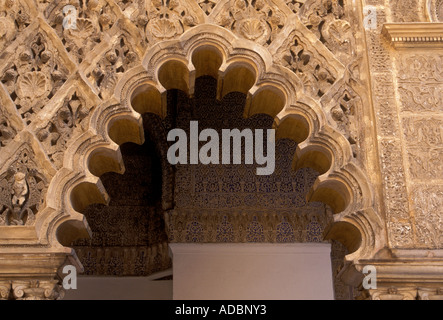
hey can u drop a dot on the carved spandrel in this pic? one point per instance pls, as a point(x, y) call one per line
point(343, 108)
point(68, 120)
point(260, 21)
point(112, 65)
point(328, 21)
point(22, 191)
point(307, 63)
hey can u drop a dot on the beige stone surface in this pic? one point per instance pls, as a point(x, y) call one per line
point(363, 103)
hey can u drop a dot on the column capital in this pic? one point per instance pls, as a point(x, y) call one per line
point(37, 290)
point(392, 293)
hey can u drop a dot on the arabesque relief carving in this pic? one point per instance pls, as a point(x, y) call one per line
point(259, 21)
point(77, 91)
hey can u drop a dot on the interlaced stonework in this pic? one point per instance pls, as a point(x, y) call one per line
point(89, 90)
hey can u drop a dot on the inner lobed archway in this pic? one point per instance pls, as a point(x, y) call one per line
point(236, 187)
point(238, 66)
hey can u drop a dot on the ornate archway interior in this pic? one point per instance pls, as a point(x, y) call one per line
point(294, 84)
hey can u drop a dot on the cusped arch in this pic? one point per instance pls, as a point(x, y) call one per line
point(238, 65)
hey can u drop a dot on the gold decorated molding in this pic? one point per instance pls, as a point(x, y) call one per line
point(414, 35)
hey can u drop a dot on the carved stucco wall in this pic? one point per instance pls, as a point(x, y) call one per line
point(407, 99)
point(55, 81)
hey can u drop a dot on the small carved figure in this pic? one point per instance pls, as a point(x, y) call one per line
point(20, 189)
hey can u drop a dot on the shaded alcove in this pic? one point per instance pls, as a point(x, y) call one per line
point(129, 237)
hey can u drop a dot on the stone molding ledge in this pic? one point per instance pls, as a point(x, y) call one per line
point(414, 35)
point(401, 274)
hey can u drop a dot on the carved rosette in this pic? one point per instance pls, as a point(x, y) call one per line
point(161, 19)
point(121, 57)
point(317, 75)
point(329, 21)
point(259, 21)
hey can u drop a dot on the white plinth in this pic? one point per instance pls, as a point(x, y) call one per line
point(252, 271)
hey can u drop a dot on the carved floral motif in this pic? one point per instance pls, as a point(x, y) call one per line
point(34, 76)
point(303, 61)
point(112, 65)
point(259, 21)
point(162, 19)
point(327, 20)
